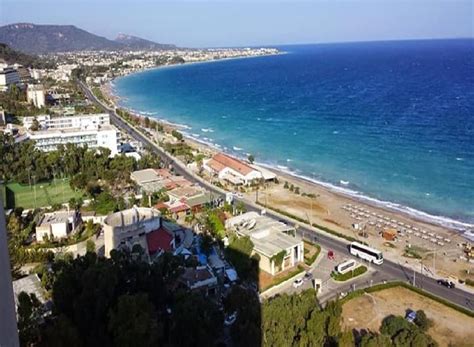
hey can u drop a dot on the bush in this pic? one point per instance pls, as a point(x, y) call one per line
point(348, 275)
point(422, 321)
point(310, 261)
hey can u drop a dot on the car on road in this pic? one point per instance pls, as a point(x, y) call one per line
point(298, 283)
point(230, 319)
point(446, 283)
point(308, 276)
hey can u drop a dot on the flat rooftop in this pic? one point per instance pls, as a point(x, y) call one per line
point(55, 217)
point(54, 132)
point(145, 176)
point(268, 235)
point(131, 216)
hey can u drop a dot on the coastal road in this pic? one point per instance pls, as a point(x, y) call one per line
point(388, 271)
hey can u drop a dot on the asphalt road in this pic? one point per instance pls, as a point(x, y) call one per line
point(390, 270)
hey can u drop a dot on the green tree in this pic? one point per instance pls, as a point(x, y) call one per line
point(132, 322)
point(347, 339)
point(251, 158)
point(198, 317)
point(28, 318)
point(90, 246)
point(422, 321)
point(177, 135)
point(375, 340)
point(239, 254)
point(147, 122)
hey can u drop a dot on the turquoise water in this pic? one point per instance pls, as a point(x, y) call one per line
point(393, 119)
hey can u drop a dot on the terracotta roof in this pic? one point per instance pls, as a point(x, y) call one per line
point(232, 163)
point(164, 173)
point(215, 165)
point(159, 240)
point(179, 208)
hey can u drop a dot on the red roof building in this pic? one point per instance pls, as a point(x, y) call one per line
point(159, 240)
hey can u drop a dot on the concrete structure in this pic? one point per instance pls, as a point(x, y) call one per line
point(154, 180)
point(129, 227)
point(57, 225)
point(200, 279)
point(3, 119)
point(8, 327)
point(49, 140)
point(83, 121)
point(232, 170)
point(270, 239)
point(35, 95)
point(8, 77)
point(148, 180)
point(31, 285)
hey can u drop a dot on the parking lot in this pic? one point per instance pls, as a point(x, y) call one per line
point(321, 270)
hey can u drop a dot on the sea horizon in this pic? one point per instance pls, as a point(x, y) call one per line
point(344, 119)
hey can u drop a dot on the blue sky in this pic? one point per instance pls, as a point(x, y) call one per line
point(243, 22)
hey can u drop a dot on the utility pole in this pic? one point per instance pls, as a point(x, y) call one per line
point(414, 275)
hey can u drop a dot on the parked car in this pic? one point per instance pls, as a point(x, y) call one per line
point(410, 316)
point(308, 276)
point(447, 283)
point(230, 319)
point(298, 283)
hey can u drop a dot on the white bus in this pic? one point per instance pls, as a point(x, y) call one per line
point(346, 266)
point(366, 253)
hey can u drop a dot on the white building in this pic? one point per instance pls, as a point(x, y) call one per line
point(8, 77)
point(232, 170)
point(35, 95)
point(273, 241)
point(56, 225)
point(3, 119)
point(83, 121)
point(49, 140)
point(126, 228)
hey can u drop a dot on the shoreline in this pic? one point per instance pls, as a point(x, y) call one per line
point(449, 223)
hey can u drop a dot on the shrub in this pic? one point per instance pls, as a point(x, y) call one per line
point(348, 275)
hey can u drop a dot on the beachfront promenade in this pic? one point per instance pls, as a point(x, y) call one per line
point(389, 270)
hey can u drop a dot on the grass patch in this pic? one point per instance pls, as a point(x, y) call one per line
point(469, 282)
point(380, 287)
point(278, 280)
point(414, 252)
point(47, 193)
point(309, 260)
point(349, 275)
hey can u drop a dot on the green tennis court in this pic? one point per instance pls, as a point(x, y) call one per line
point(39, 195)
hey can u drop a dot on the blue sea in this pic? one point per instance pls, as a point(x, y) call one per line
point(392, 122)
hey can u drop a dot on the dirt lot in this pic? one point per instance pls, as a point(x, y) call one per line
point(366, 312)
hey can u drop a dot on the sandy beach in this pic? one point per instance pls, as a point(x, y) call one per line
point(439, 247)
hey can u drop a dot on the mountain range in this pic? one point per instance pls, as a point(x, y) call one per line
point(42, 39)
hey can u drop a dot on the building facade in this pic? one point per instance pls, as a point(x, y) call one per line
point(83, 121)
point(232, 170)
point(35, 95)
point(8, 77)
point(49, 140)
point(275, 242)
point(56, 225)
point(126, 228)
